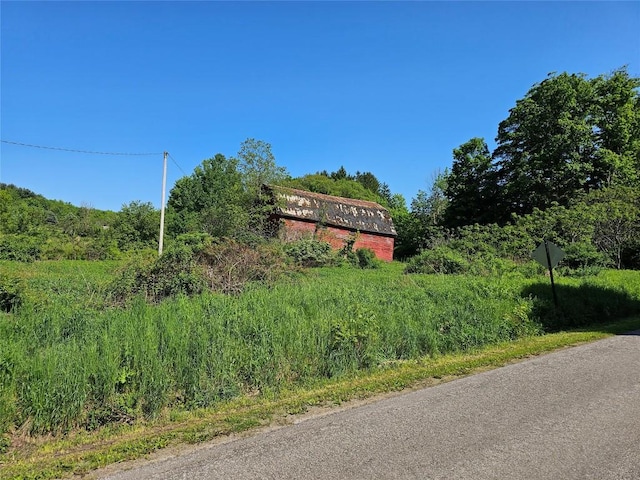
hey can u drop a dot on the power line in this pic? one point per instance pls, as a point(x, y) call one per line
point(176, 163)
point(79, 151)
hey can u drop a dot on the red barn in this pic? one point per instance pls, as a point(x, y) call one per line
point(334, 220)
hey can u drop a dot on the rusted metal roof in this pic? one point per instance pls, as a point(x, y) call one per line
point(356, 215)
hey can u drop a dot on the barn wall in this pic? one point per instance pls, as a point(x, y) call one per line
point(382, 246)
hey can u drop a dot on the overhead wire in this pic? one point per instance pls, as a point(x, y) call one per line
point(92, 152)
point(176, 163)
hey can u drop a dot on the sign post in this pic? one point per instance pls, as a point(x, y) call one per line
point(548, 254)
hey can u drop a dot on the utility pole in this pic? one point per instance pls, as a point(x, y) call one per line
point(164, 187)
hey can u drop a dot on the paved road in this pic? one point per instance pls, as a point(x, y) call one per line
point(573, 414)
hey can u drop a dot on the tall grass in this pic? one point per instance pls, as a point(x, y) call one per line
point(66, 364)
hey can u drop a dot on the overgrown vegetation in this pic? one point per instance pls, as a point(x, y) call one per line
point(81, 452)
point(66, 364)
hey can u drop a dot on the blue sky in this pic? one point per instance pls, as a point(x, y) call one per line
point(386, 87)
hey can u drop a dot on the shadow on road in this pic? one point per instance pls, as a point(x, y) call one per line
point(580, 305)
point(635, 333)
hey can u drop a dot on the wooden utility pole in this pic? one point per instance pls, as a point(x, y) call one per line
point(164, 187)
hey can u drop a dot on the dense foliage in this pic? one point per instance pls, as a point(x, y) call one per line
point(568, 136)
point(33, 227)
point(363, 186)
point(565, 168)
point(223, 196)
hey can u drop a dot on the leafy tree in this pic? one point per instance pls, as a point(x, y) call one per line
point(257, 166)
point(545, 146)
point(427, 211)
point(211, 200)
point(471, 186)
point(341, 187)
point(407, 228)
point(34, 227)
point(617, 130)
point(223, 196)
point(616, 221)
point(569, 135)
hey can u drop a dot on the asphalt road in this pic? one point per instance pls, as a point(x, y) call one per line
point(573, 414)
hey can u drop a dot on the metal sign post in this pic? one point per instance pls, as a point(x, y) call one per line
point(548, 254)
point(553, 285)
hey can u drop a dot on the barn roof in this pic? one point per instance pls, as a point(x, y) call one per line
point(356, 215)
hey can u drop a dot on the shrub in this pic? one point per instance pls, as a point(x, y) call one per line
point(229, 265)
point(346, 252)
point(531, 269)
point(490, 264)
point(226, 267)
point(176, 272)
point(439, 260)
point(308, 252)
point(173, 273)
point(21, 248)
point(367, 258)
point(197, 241)
point(580, 255)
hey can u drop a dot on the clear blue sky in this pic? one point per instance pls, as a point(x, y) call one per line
point(386, 87)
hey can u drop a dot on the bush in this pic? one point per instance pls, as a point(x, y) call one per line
point(176, 272)
point(367, 258)
point(21, 248)
point(173, 273)
point(439, 260)
point(229, 265)
point(531, 269)
point(197, 241)
point(489, 264)
point(226, 267)
point(309, 252)
point(580, 255)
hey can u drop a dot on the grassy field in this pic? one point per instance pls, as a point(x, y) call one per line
point(74, 367)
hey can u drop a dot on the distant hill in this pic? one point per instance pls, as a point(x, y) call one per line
point(33, 227)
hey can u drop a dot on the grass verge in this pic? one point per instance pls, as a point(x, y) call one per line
point(80, 453)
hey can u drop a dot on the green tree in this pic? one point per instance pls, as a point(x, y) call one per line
point(616, 216)
point(471, 186)
point(340, 174)
point(430, 206)
point(211, 200)
point(546, 146)
point(569, 135)
point(617, 129)
point(407, 227)
point(369, 181)
point(341, 187)
point(423, 229)
point(257, 166)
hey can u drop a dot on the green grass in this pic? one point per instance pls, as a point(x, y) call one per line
point(80, 452)
point(69, 364)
